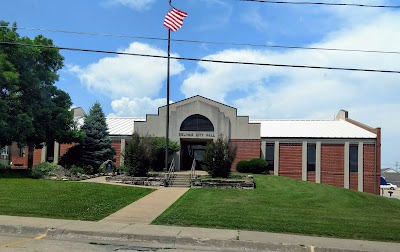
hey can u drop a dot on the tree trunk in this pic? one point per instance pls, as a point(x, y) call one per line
point(30, 156)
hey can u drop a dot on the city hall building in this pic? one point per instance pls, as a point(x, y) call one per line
point(340, 152)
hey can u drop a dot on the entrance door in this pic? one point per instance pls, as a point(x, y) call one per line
point(192, 150)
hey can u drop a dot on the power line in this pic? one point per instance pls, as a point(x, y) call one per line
point(205, 60)
point(322, 3)
point(205, 42)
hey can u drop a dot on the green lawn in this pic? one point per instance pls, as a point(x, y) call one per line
point(64, 200)
point(286, 205)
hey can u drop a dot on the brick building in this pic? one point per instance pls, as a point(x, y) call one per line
point(339, 152)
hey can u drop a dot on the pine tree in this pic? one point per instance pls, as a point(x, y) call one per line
point(218, 158)
point(96, 142)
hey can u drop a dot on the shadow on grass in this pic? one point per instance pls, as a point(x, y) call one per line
point(11, 173)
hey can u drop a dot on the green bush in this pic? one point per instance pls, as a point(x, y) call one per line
point(256, 166)
point(136, 157)
point(77, 169)
point(41, 170)
point(5, 167)
point(122, 169)
point(88, 169)
point(243, 166)
point(218, 158)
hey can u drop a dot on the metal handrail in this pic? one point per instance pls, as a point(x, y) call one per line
point(171, 172)
point(193, 170)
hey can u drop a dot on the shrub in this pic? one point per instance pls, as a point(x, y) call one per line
point(218, 158)
point(158, 152)
point(256, 165)
point(145, 153)
point(5, 167)
point(77, 169)
point(41, 170)
point(88, 169)
point(243, 166)
point(122, 169)
point(135, 158)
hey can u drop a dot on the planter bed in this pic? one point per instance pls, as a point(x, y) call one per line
point(244, 183)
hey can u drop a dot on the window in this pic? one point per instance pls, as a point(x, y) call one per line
point(4, 151)
point(270, 155)
point(22, 152)
point(353, 158)
point(197, 123)
point(311, 156)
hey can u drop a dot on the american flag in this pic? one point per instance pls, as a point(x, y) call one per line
point(174, 19)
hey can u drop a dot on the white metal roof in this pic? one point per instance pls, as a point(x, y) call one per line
point(121, 126)
point(311, 129)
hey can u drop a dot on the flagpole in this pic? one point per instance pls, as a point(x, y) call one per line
point(168, 82)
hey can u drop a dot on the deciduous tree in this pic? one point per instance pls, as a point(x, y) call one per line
point(32, 110)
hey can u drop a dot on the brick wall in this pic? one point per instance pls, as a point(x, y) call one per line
point(369, 170)
point(117, 146)
point(311, 176)
point(64, 148)
point(37, 156)
point(246, 149)
point(14, 154)
point(290, 160)
point(354, 181)
point(332, 164)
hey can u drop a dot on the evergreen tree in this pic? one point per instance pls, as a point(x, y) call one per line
point(218, 158)
point(137, 157)
point(96, 142)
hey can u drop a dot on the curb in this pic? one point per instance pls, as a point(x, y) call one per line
point(183, 241)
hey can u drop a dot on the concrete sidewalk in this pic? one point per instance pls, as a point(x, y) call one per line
point(111, 231)
point(146, 209)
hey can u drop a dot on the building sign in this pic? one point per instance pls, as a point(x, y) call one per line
point(196, 134)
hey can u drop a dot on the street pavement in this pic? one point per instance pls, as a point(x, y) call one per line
point(130, 226)
point(395, 193)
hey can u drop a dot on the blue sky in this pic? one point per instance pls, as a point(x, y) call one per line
point(134, 86)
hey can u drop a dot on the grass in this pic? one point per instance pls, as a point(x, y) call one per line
point(9, 173)
point(64, 200)
point(285, 205)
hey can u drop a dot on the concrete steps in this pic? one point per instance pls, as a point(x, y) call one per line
point(180, 180)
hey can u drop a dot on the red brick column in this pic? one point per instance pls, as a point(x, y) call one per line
point(332, 164)
point(246, 149)
point(117, 146)
point(369, 169)
point(37, 156)
point(290, 160)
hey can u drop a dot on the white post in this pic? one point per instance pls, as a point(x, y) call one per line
point(318, 162)
point(276, 158)
point(304, 161)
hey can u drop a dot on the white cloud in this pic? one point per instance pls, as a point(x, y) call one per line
point(136, 107)
point(126, 75)
point(274, 92)
point(138, 5)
